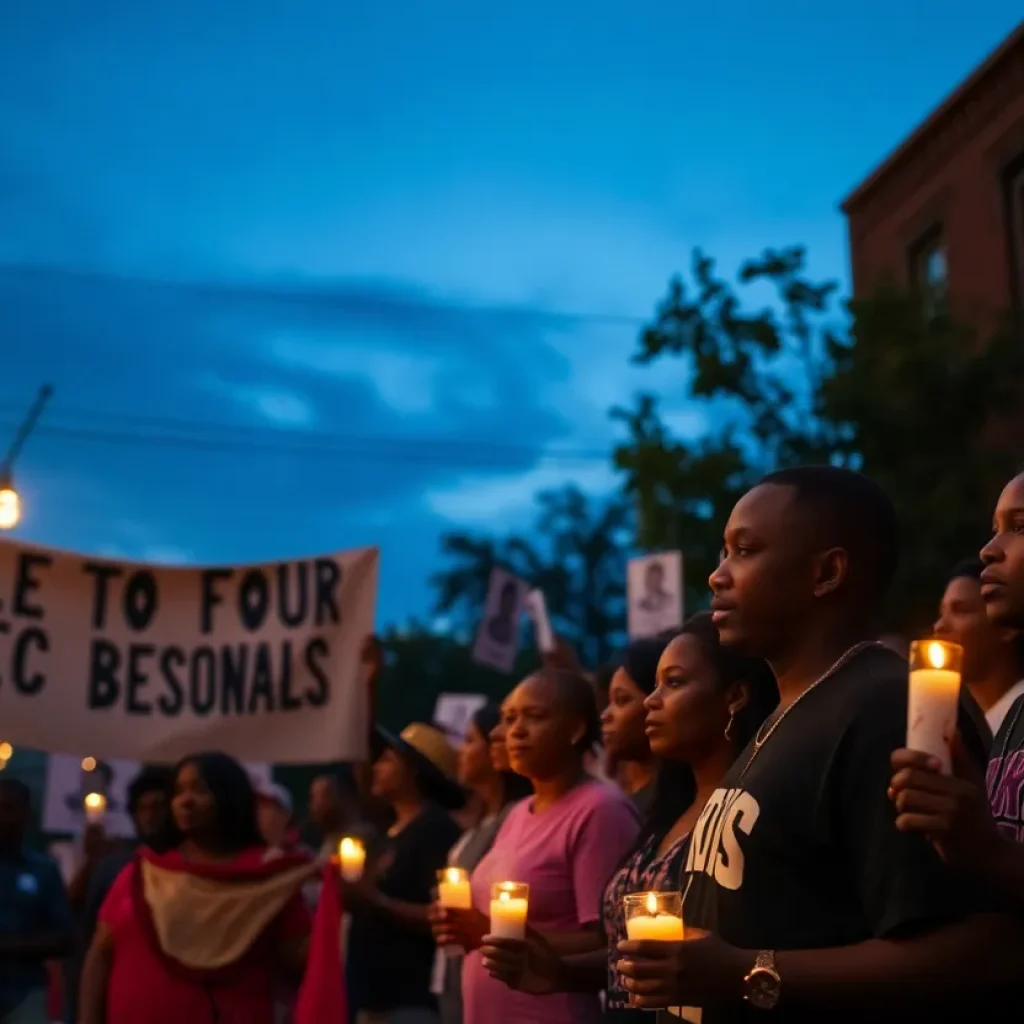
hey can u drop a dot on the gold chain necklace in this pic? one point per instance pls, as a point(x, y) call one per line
point(760, 741)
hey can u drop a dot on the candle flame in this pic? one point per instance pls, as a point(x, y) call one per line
point(936, 654)
point(95, 801)
point(504, 896)
point(652, 904)
point(454, 875)
point(349, 847)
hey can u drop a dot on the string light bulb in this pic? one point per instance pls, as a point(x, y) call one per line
point(10, 503)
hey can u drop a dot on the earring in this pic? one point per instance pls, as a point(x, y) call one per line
point(728, 728)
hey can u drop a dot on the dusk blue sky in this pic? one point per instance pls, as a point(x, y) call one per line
point(358, 275)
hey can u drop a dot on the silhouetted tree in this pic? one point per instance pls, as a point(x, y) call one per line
point(576, 555)
point(921, 405)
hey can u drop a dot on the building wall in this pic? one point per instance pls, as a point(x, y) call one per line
point(953, 174)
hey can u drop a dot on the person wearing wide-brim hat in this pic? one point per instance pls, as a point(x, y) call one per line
point(433, 761)
point(414, 772)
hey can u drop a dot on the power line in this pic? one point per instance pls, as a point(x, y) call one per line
point(128, 428)
point(453, 452)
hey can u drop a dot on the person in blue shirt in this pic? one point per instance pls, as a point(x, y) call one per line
point(36, 923)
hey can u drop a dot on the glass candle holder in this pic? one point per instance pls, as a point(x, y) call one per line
point(509, 904)
point(352, 857)
point(933, 698)
point(654, 916)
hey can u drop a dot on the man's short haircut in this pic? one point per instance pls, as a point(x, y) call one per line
point(853, 513)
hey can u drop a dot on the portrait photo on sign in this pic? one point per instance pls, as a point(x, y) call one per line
point(454, 711)
point(497, 640)
point(69, 780)
point(655, 592)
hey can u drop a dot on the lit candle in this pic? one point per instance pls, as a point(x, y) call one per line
point(453, 889)
point(934, 698)
point(95, 807)
point(509, 904)
point(654, 917)
point(352, 855)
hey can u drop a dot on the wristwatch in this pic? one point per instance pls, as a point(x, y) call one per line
point(763, 984)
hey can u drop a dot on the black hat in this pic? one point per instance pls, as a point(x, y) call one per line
point(434, 759)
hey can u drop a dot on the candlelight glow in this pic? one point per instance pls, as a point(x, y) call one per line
point(6, 751)
point(95, 801)
point(454, 875)
point(349, 848)
point(88, 764)
point(936, 655)
point(652, 903)
point(504, 896)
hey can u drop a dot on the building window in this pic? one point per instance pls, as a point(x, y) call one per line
point(929, 276)
point(1015, 225)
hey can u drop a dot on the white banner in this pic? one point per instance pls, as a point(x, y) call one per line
point(140, 662)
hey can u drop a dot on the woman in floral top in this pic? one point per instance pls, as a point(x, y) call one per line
point(705, 704)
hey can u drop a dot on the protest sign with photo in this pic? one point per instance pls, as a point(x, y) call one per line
point(537, 610)
point(148, 663)
point(655, 593)
point(69, 779)
point(497, 640)
point(453, 713)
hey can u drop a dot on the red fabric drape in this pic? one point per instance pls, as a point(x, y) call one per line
point(322, 996)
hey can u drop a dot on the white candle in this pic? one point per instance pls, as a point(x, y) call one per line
point(509, 905)
point(352, 855)
point(654, 925)
point(95, 807)
point(933, 699)
point(453, 889)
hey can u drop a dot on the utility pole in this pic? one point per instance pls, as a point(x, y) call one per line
point(10, 502)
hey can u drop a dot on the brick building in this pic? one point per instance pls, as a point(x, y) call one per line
point(944, 214)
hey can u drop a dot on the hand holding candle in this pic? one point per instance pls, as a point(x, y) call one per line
point(654, 916)
point(352, 855)
point(934, 698)
point(509, 904)
point(453, 893)
point(95, 807)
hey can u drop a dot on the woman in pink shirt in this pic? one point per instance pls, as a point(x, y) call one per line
point(565, 842)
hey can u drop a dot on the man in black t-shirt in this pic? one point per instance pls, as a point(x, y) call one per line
point(818, 907)
point(981, 833)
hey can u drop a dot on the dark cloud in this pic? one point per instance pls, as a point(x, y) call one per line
point(138, 364)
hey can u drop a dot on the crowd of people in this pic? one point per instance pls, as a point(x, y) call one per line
point(753, 761)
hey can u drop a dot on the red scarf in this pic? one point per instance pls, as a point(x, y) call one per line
point(203, 919)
